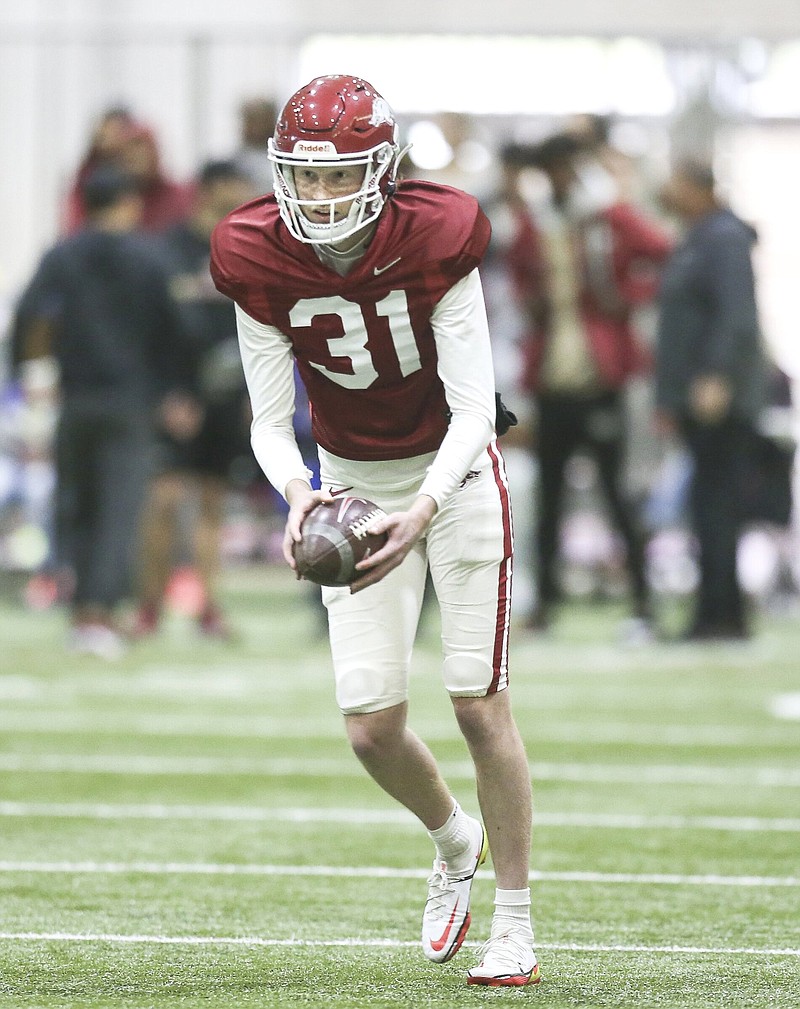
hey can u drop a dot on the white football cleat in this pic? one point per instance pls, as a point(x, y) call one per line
point(506, 960)
point(446, 917)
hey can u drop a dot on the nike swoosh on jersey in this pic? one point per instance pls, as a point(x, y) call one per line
point(439, 943)
point(382, 269)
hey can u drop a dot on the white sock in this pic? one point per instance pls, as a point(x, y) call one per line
point(453, 837)
point(512, 910)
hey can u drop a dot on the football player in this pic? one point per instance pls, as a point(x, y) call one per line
point(371, 286)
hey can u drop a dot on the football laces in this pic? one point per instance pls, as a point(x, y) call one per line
point(360, 526)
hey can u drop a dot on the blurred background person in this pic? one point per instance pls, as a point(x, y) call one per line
point(257, 117)
point(605, 170)
point(51, 582)
point(599, 258)
point(164, 200)
point(193, 475)
point(105, 146)
point(100, 307)
point(117, 138)
point(711, 383)
point(123, 142)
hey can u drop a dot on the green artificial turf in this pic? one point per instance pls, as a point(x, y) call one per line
point(187, 827)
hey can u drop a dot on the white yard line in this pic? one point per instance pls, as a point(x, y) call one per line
point(398, 817)
point(146, 764)
point(177, 723)
point(354, 943)
point(383, 872)
point(182, 724)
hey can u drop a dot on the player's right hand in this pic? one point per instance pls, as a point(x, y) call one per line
point(301, 499)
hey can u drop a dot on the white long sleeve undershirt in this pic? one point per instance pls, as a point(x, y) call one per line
point(467, 373)
point(464, 367)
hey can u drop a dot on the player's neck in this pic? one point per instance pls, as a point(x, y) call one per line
point(353, 244)
point(343, 256)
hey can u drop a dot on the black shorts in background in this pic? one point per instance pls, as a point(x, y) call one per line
point(223, 439)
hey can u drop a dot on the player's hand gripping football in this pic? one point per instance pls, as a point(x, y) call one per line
point(403, 530)
point(301, 500)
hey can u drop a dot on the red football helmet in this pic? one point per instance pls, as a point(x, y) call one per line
point(336, 120)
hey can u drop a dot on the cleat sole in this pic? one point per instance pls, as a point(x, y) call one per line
point(510, 981)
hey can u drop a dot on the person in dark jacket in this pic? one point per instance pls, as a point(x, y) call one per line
point(710, 382)
point(198, 469)
point(99, 305)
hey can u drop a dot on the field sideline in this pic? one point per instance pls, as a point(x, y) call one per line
point(187, 828)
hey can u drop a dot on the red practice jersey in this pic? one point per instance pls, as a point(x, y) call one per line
point(364, 343)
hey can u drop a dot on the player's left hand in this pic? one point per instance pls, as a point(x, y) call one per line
point(403, 530)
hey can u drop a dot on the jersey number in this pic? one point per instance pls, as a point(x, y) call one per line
point(352, 345)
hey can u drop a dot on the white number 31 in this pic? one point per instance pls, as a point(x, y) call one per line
point(352, 345)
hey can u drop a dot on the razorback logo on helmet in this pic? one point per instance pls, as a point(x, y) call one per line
point(381, 112)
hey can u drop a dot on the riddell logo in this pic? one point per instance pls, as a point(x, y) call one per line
point(314, 147)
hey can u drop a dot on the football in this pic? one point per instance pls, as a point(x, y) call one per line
point(335, 539)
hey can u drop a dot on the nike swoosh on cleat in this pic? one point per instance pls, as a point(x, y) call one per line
point(439, 944)
point(382, 269)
